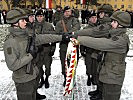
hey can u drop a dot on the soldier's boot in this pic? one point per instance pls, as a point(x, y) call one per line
point(46, 82)
point(97, 97)
point(93, 93)
point(64, 83)
point(89, 81)
point(39, 96)
point(93, 80)
point(42, 82)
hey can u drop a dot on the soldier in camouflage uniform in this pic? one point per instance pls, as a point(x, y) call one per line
point(67, 24)
point(46, 50)
point(57, 15)
point(16, 57)
point(112, 71)
point(90, 54)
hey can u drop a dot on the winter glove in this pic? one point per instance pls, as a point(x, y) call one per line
point(66, 37)
point(33, 53)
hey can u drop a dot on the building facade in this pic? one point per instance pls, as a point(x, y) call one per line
point(82, 4)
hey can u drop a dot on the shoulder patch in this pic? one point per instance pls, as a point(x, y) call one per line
point(115, 38)
point(9, 50)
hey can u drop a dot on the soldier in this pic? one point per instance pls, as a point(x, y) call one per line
point(18, 60)
point(76, 12)
point(104, 13)
point(46, 50)
point(89, 54)
point(112, 72)
point(31, 18)
point(68, 23)
point(83, 16)
point(31, 25)
point(57, 15)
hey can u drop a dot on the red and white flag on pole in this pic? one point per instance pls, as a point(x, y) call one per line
point(48, 3)
point(82, 1)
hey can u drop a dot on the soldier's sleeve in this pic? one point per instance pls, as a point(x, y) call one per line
point(12, 57)
point(47, 38)
point(99, 31)
point(118, 45)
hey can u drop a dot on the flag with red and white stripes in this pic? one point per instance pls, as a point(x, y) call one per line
point(48, 3)
point(82, 1)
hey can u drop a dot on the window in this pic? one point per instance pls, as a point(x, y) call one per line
point(115, 6)
point(122, 6)
point(130, 6)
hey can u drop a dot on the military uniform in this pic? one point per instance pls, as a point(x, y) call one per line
point(18, 59)
point(66, 24)
point(57, 17)
point(46, 50)
point(112, 72)
point(72, 24)
point(90, 59)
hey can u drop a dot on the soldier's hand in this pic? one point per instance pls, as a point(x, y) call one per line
point(66, 37)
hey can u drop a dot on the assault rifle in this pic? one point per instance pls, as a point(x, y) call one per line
point(31, 49)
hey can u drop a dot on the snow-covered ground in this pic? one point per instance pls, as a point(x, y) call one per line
point(56, 90)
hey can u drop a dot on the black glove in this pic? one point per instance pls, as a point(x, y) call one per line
point(83, 54)
point(51, 53)
point(74, 36)
point(33, 53)
point(66, 37)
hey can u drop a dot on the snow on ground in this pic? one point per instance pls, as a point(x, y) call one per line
point(56, 90)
